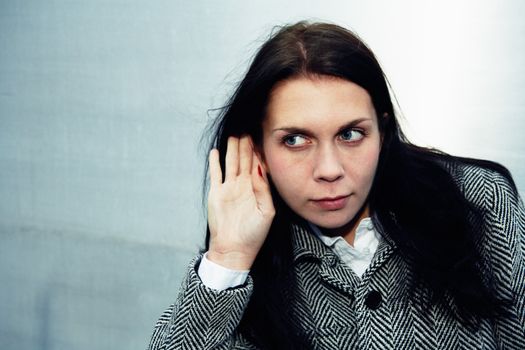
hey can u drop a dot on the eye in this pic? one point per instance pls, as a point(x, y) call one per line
point(351, 135)
point(294, 140)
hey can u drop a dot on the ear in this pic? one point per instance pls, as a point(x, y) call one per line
point(259, 151)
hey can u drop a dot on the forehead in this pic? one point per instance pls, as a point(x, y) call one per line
point(317, 100)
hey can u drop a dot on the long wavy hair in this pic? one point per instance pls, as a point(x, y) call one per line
point(414, 199)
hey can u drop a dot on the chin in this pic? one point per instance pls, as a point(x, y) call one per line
point(331, 220)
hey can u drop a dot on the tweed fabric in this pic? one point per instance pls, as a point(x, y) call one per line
point(336, 309)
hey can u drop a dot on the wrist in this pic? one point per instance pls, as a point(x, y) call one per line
point(231, 260)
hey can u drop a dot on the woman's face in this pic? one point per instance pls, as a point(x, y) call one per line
point(321, 146)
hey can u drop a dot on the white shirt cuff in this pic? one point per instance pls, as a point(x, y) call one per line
point(219, 277)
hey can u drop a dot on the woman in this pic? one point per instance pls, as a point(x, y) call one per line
point(329, 230)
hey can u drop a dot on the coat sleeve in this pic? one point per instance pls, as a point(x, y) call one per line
point(505, 245)
point(203, 318)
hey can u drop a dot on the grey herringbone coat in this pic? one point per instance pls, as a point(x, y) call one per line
point(338, 310)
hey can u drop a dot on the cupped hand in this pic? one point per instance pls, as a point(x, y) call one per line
point(240, 209)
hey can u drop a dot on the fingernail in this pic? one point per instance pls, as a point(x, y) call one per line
point(259, 170)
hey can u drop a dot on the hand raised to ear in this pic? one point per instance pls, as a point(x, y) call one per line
point(240, 209)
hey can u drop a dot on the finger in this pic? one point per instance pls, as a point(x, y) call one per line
point(232, 157)
point(215, 168)
point(250, 140)
point(245, 155)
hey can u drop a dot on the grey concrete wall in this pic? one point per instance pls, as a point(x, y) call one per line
point(102, 104)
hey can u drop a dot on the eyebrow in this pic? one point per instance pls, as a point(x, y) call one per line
point(305, 131)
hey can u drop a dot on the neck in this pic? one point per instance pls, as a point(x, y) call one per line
point(348, 231)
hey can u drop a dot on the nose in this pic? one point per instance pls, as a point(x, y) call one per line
point(328, 166)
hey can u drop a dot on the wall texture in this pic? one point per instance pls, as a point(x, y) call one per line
point(102, 104)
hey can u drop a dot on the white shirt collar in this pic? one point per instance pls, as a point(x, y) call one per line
point(365, 226)
point(359, 256)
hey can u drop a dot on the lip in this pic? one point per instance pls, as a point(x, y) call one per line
point(331, 203)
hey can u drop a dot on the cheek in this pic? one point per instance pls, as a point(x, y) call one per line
point(361, 163)
point(371, 158)
point(288, 171)
point(278, 160)
point(368, 164)
point(282, 169)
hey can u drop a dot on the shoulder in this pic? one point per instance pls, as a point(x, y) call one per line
point(481, 182)
point(490, 189)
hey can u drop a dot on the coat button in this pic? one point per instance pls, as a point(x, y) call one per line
point(373, 299)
